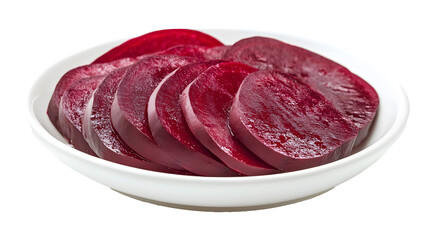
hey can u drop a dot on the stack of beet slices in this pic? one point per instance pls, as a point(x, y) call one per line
point(179, 101)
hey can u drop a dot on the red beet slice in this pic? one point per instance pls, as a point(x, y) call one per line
point(206, 104)
point(158, 41)
point(71, 112)
point(350, 94)
point(287, 124)
point(201, 52)
point(169, 128)
point(129, 108)
point(76, 74)
point(216, 52)
point(97, 130)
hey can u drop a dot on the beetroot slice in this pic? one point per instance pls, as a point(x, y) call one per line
point(170, 130)
point(129, 108)
point(216, 52)
point(202, 52)
point(75, 75)
point(158, 41)
point(71, 112)
point(287, 124)
point(350, 94)
point(206, 104)
point(97, 130)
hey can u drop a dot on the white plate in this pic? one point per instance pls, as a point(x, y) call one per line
point(233, 193)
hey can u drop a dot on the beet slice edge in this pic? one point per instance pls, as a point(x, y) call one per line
point(129, 108)
point(201, 52)
point(206, 103)
point(76, 74)
point(158, 41)
point(170, 130)
point(350, 94)
point(71, 111)
point(98, 132)
point(287, 124)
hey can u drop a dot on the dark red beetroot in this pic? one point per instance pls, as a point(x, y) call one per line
point(168, 126)
point(97, 129)
point(216, 52)
point(350, 94)
point(71, 112)
point(129, 108)
point(201, 52)
point(287, 124)
point(206, 104)
point(75, 75)
point(158, 41)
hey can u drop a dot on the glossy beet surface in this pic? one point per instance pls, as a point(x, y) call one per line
point(158, 41)
point(170, 130)
point(288, 124)
point(350, 94)
point(206, 103)
point(201, 52)
point(97, 128)
point(72, 107)
point(129, 109)
point(97, 125)
point(76, 74)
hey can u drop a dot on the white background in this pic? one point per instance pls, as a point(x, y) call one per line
point(44, 199)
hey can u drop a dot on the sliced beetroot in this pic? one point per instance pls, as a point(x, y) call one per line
point(96, 126)
point(169, 128)
point(350, 94)
point(72, 107)
point(129, 108)
point(158, 41)
point(97, 130)
point(206, 104)
point(216, 52)
point(76, 74)
point(202, 52)
point(287, 124)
